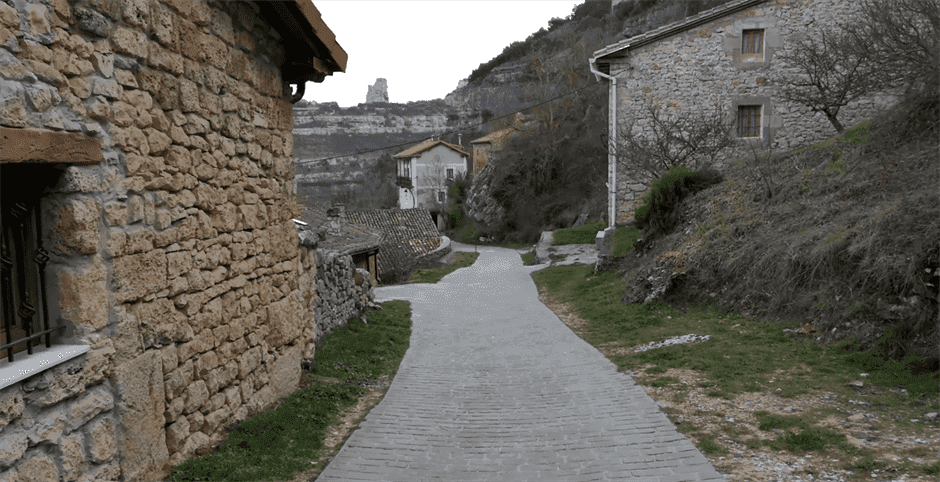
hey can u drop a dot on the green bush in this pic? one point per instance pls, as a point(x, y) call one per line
point(657, 213)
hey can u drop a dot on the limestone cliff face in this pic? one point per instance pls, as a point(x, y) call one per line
point(377, 118)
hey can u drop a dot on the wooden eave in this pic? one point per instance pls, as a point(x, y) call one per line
point(312, 50)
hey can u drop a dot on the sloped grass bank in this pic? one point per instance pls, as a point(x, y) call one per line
point(845, 239)
point(747, 355)
point(276, 444)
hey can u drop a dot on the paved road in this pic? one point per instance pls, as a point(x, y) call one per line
point(494, 387)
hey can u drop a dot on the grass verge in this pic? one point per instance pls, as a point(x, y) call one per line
point(584, 234)
point(433, 275)
point(276, 444)
point(745, 357)
point(624, 240)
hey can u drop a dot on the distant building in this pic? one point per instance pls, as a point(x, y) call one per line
point(484, 147)
point(423, 173)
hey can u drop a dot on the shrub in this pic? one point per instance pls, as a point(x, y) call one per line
point(658, 212)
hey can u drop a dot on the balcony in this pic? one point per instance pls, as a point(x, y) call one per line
point(402, 181)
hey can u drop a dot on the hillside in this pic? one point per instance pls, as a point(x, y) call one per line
point(845, 247)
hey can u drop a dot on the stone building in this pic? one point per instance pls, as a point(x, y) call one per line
point(408, 239)
point(423, 172)
point(484, 148)
point(728, 58)
point(154, 290)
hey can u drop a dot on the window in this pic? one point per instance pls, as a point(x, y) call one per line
point(450, 173)
point(752, 44)
point(749, 121)
point(23, 321)
point(404, 168)
point(441, 196)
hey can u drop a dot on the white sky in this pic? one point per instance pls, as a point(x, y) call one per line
point(422, 47)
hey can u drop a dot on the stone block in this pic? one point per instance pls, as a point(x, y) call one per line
point(176, 434)
point(141, 386)
point(83, 294)
point(38, 468)
point(109, 472)
point(101, 440)
point(39, 24)
point(286, 372)
point(11, 405)
point(47, 426)
point(73, 456)
point(197, 442)
point(12, 104)
point(179, 379)
point(197, 394)
point(130, 42)
point(108, 88)
point(215, 419)
point(77, 227)
point(222, 376)
point(174, 409)
point(196, 421)
point(13, 444)
point(206, 363)
point(158, 141)
point(138, 275)
point(137, 13)
point(87, 406)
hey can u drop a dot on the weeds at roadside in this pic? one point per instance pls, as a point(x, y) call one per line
point(746, 355)
point(276, 444)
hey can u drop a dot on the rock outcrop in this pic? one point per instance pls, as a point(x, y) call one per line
point(482, 207)
point(378, 92)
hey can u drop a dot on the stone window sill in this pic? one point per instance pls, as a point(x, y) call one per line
point(25, 366)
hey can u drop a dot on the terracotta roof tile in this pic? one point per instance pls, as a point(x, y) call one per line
point(428, 144)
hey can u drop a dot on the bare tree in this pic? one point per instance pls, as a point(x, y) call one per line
point(902, 37)
point(892, 44)
point(435, 179)
point(689, 139)
point(829, 74)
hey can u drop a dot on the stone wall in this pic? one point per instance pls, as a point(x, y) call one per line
point(343, 292)
point(175, 258)
point(702, 68)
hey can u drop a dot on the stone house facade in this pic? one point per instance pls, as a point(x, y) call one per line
point(727, 58)
point(148, 250)
point(423, 172)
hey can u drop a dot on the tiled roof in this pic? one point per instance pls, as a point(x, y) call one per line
point(677, 27)
point(406, 235)
point(399, 225)
point(428, 144)
point(353, 238)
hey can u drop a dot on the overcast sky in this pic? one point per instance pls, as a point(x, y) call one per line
point(422, 47)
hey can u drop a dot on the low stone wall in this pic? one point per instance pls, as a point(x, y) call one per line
point(343, 292)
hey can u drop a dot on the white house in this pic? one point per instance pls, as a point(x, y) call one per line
point(423, 172)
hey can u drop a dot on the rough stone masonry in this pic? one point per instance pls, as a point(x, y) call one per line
point(172, 251)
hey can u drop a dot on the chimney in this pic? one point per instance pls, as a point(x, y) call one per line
point(459, 138)
point(336, 218)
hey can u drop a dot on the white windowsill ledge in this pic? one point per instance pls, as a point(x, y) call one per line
point(25, 366)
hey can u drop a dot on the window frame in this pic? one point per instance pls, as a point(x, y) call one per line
point(751, 49)
point(441, 196)
point(450, 173)
point(745, 129)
